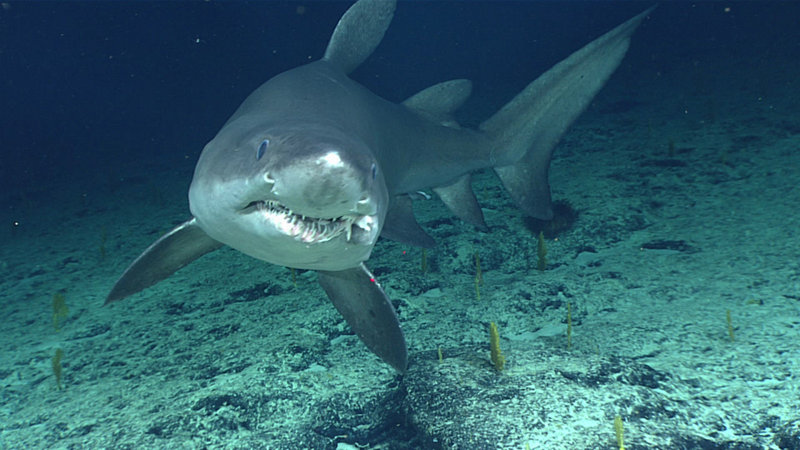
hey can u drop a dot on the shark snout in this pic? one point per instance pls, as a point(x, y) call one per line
point(324, 186)
point(334, 197)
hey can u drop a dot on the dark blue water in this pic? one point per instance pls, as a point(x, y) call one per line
point(86, 85)
point(682, 173)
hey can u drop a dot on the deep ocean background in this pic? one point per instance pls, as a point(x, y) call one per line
point(96, 87)
point(681, 270)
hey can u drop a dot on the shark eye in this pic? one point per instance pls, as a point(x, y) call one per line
point(262, 148)
point(374, 171)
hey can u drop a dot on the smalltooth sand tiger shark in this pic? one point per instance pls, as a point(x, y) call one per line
point(313, 167)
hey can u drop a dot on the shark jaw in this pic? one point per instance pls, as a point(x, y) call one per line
point(287, 235)
point(357, 229)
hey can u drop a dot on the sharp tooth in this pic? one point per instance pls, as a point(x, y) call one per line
point(349, 231)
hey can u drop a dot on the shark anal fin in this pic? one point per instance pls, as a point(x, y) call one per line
point(401, 226)
point(361, 301)
point(459, 198)
point(179, 247)
point(358, 32)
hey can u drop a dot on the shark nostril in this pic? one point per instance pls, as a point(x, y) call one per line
point(364, 206)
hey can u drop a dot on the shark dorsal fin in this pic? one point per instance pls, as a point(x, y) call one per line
point(358, 32)
point(439, 101)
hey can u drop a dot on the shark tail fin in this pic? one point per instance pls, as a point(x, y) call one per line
point(527, 128)
point(358, 32)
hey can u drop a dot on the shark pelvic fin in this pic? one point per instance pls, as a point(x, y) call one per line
point(401, 225)
point(459, 198)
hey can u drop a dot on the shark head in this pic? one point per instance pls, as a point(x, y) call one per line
point(304, 195)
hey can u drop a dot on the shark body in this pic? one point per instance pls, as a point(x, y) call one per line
point(313, 167)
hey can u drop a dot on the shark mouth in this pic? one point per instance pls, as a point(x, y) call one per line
point(314, 230)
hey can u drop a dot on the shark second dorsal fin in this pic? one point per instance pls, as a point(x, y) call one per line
point(439, 101)
point(358, 32)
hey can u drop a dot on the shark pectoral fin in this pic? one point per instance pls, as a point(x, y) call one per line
point(459, 198)
point(179, 247)
point(368, 311)
point(358, 32)
point(401, 226)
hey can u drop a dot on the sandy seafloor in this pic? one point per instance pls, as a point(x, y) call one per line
point(229, 353)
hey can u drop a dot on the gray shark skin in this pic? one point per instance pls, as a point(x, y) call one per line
point(312, 168)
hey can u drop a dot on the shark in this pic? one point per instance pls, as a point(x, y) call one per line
point(313, 168)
